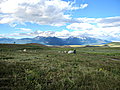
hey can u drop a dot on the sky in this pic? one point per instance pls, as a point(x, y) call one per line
point(60, 18)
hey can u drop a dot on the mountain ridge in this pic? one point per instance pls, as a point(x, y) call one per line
point(56, 40)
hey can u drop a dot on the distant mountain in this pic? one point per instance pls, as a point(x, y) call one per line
point(50, 40)
point(7, 40)
point(56, 40)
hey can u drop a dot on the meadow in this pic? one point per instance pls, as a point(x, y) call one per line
point(45, 68)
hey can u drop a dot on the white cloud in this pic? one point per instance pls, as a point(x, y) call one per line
point(102, 22)
point(62, 34)
point(25, 29)
point(44, 12)
point(87, 20)
point(109, 22)
point(82, 6)
point(80, 26)
point(109, 19)
point(42, 33)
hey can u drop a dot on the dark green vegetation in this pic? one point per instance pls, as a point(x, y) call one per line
point(44, 68)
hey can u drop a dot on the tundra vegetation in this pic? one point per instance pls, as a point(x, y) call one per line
point(44, 68)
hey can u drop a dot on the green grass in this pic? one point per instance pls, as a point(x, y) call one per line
point(44, 68)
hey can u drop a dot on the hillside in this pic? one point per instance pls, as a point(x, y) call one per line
point(114, 44)
point(48, 68)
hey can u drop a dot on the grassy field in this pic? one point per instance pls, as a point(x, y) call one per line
point(45, 68)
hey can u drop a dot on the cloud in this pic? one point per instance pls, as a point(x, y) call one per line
point(82, 6)
point(109, 22)
point(109, 19)
point(80, 26)
point(42, 33)
point(25, 29)
point(60, 34)
point(102, 22)
point(87, 20)
point(44, 12)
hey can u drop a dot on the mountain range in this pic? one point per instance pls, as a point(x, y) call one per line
point(56, 41)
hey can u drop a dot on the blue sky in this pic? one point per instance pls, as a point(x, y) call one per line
point(60, 18)
point(101, 8)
